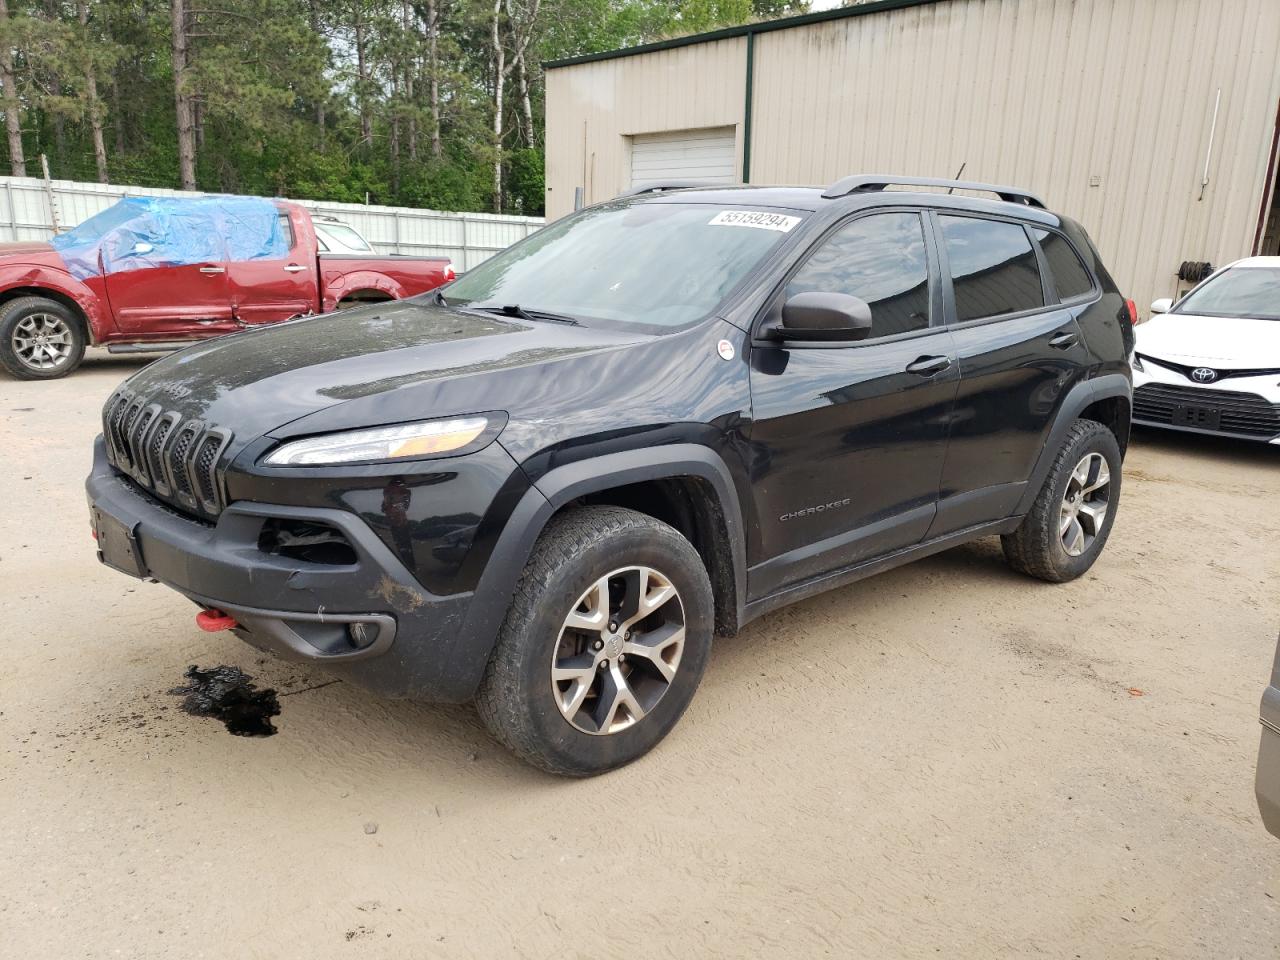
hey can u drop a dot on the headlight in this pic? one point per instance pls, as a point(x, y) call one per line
point(408, 441)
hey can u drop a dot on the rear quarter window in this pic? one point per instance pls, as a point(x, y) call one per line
point(1070, 276)
point(286, 227)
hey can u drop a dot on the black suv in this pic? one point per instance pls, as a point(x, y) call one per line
point(547, 486)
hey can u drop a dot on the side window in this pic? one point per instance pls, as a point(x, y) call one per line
point(993, 267)
point(286, 227)
point(882, 260)
point(1070, 276)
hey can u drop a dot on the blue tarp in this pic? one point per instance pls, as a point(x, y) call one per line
point(144, 232)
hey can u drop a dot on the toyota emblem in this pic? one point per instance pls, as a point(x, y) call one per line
point(1204, 375)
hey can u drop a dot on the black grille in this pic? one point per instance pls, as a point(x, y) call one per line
point(1186, 369)
point(155, 453)
point(202, 470)
point(1243, 414)
point(135, 438)
point(178, 459)
point(173, 457)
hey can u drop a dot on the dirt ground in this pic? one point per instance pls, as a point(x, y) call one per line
point(946, 760)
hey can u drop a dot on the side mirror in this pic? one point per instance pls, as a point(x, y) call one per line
point(1162, 305)
point(825, 316)
point(142, 247)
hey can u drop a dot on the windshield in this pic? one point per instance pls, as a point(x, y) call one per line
point(342, 237)
point(651, 264)
point(1238, 292)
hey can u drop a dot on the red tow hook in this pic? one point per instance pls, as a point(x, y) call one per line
point(212, 621)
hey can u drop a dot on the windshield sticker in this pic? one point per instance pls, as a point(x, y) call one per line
point(750, 218)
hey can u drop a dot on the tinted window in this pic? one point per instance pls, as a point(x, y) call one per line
point(993, 267)
point(1069, 274)
point(881, 259)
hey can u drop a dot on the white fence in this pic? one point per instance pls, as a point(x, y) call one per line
point(466, 238)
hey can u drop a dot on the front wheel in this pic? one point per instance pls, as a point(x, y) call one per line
point(40, 339)
point(1071, 518)
point(603, 645)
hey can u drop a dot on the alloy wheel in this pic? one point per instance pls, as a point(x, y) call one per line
point(1085, 503)
point(42, 341)
point(618, 651)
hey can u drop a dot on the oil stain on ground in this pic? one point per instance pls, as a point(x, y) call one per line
point(227, 694)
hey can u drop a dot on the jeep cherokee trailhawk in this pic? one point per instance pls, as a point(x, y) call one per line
point(547, 486)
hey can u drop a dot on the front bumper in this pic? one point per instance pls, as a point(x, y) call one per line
point(411, 643)
point(1268, 781)
point(1244, 408)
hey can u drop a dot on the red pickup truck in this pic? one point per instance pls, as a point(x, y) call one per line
point(152, 274)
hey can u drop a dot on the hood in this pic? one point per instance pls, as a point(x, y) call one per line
point(31, 251)
point(382, 363)
point(1227, 342)
point(25, 248)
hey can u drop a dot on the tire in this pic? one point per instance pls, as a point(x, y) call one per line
point(1044, 543)
point(531, 714)
point(60, 330)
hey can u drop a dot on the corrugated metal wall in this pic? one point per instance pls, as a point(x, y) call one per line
point(594, 109)
point(466, 238)
point(1101, 106)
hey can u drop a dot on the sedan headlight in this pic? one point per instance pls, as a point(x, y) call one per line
point(407, 441)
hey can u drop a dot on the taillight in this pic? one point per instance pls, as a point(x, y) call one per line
point(449, 274)
point(1132, 309)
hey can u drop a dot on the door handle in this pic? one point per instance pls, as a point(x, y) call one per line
point(928, 366)
point(294, 268)
point(1064, 341)
point(213, 269)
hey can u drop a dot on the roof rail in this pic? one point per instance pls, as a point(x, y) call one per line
point(866, 182)
point(663, 186)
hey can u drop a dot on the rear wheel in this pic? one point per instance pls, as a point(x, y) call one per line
point(362, 298)
point(1070, 520)
point(604, 643)
point(40, 339)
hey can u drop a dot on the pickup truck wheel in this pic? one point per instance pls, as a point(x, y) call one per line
point(40, 339)
point(1070, 520)
point(604, 643)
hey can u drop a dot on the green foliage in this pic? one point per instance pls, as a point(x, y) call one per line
point(527, 183)
point(282, 105)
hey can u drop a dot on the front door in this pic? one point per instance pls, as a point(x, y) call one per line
point(848, 439)
point(165, 301)
point(1020, 350)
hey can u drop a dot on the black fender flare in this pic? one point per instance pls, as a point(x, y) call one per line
point(1078, 398)
point(565, 484)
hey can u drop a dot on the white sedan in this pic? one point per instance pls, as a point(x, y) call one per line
point(1211, 362)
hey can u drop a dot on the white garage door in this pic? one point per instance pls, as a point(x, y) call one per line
point(707, 156)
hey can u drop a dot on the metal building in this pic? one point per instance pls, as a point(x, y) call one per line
point(1154, 122)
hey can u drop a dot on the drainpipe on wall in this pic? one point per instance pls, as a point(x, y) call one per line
point(746, 109)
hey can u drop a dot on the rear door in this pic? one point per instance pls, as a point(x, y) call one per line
point(268, 291)
point(1020, 350)
point(848, 439)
